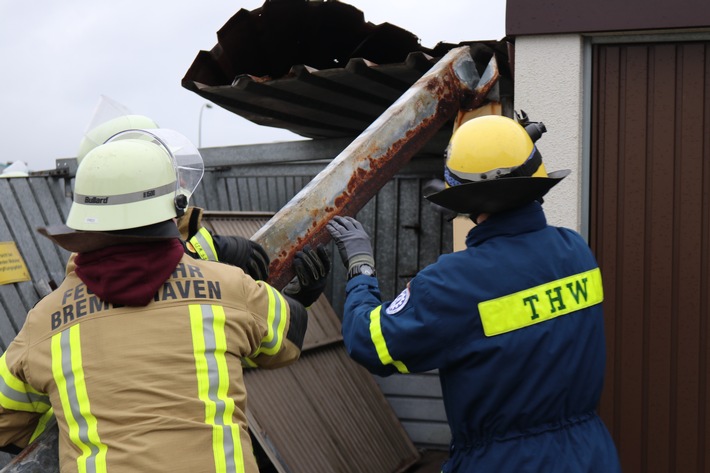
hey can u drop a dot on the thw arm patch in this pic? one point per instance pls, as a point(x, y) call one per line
point(541, 303)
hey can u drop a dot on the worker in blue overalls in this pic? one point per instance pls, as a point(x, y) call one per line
point(513, 323)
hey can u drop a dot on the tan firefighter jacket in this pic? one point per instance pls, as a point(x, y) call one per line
point(146, 389)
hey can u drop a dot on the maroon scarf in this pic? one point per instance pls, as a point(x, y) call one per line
point(129, 274)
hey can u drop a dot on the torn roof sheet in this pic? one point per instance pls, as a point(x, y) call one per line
point(317, 69)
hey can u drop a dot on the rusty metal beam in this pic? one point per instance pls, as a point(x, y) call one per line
point(373, 158)
point(41, 456)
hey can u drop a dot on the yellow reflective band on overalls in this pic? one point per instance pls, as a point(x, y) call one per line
point(276, 324)
point(541, 303)
point(68, 373)
point(209, 343)
point(17, 395)
point(203, 244)
point(380, 344)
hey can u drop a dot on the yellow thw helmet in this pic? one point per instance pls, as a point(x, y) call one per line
point(493, 165)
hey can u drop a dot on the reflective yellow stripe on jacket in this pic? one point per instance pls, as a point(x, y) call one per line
point(203, 244)
point(378, 340)
point(210, 346)
point(68, 373)
point(272, 342)
point(46, 418)
point(18, 395)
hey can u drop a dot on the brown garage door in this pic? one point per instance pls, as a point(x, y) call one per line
point(650, 221)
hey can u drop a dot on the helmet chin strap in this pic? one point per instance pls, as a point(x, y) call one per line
point(180, 204)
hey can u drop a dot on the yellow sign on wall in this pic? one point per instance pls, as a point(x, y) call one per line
point(12, 266)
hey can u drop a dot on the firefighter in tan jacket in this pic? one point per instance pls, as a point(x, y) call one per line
point(139, 351)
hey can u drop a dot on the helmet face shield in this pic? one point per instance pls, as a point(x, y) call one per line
point(109, 118)
point(106, 110)
point(187, 161)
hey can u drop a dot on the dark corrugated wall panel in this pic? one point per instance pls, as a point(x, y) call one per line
point(417, 401)
point(650, 211)
point(25, 205)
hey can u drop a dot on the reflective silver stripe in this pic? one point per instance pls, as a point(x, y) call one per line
point(18, 395)
point(212, 369)
point(22, 397)
point(69, 375)
point(210, 347)
point(203, 246)
point(124, 198)
point(74, 401)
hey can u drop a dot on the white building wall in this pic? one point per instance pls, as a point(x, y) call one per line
point(549, 80)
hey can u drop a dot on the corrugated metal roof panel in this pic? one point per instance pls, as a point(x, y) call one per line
point(319, 104)
point(267, 41)
point(328, 415)
point(317, 68)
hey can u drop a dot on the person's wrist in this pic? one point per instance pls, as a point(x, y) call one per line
point(363, 258)
point(361, 264)
point(364, 269)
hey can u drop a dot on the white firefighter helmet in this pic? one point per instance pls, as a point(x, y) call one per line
point(129, 190)
point(101, 133)
point(123, 185)
point(136, 178)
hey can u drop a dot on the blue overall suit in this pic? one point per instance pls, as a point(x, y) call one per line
point(514, 325)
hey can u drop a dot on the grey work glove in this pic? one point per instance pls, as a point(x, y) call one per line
point(311, 268)
point(352, 241)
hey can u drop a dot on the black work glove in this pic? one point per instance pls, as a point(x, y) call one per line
point(352, 241)
point(311, 268)
point(244, 253)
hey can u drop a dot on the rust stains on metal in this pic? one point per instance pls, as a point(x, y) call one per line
point(371, 160)
point(42, 455)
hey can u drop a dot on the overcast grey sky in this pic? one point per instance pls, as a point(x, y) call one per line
point(59, 58)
